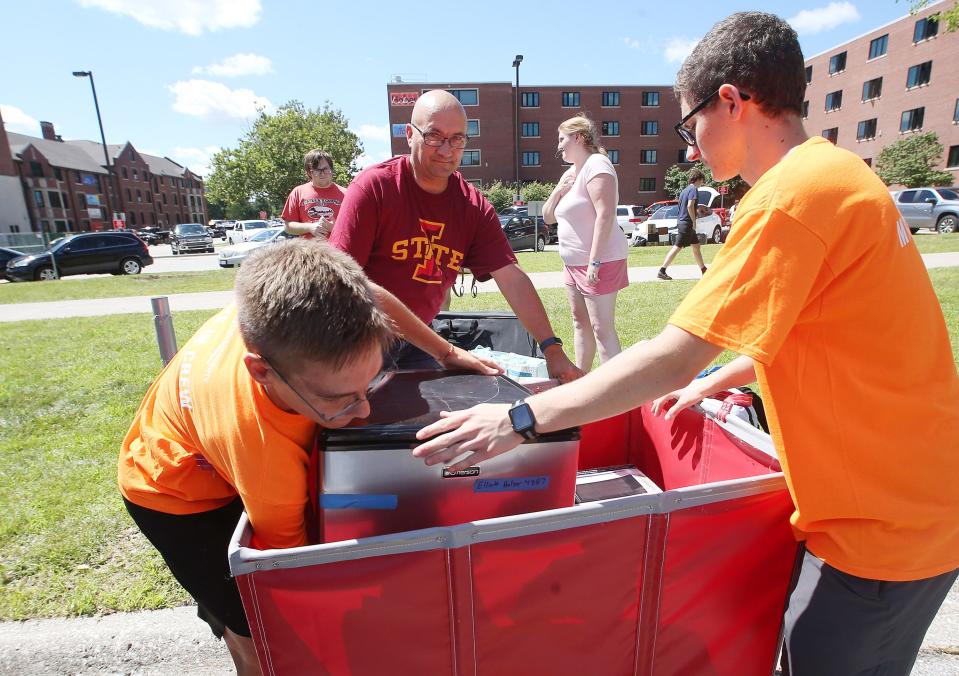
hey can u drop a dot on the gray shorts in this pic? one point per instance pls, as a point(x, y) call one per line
point(842, 625)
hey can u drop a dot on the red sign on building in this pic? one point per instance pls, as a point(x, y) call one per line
point(723, 190)
point(403, 98)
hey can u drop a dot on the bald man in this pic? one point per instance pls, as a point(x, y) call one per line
point(413, 223)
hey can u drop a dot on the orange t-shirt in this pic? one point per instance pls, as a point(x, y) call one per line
point(207, 432)
point(821, 284)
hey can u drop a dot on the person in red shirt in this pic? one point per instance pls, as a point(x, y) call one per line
point(822, 291)
point(311, 208)
point(228, 424)
point(413, 223)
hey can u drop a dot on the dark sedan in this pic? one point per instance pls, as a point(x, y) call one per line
point(118, 253)
point(6, 255)
point(524, 233)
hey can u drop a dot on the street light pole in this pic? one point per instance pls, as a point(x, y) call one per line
point(103, 139)
point(518, 60)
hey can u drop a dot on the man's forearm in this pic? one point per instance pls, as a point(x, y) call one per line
point(410, 327)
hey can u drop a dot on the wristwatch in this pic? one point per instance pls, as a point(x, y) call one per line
point(552, 340)
point(523, 420)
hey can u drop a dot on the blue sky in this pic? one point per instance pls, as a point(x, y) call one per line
point(183, 78)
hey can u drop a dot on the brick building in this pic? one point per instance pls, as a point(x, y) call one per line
point(636, 126)
point(67, 187)
point(895, 80)
point(13, 209)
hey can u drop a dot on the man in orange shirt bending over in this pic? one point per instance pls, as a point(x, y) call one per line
point(822, 291)
point(229, 423)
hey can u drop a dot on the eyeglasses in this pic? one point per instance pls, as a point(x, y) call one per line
point(435, 139)
point(688, 135)
point(378, 381)
point(324, 170)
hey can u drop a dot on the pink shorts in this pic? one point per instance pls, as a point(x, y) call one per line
point(612, 277)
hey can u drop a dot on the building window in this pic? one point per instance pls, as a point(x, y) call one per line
point(131, 155)
point(468, 97)
point(953, 160)
point(78, 178)
point(139, 196)
point(647, 157)
point(129, 196)
point(878, 46)
point(164, 197)
point(919, 75)
point(57, 173)
point(123, 170)
point(926, 28)
point(472, 128)
point(831, 134)
point(530, 158)
point(866, 130)
point(611, 128)
point(149, 196)
point(570, 99)
point(911, 120)
point(868, 161)
point(136, 175)
point(834, 100)
point(36, 169)
point(133, 218)
point(808, 74)
point(176, 201)
point(647, 185)
point(649, 128)
point(613, 156)
point(611, 99)
point(471, 158)
point(55, 200)
point(530, 130)
point(651, 99)
point(529, 100)
point(681, 156)
point(955, 112)
point(38, 198)
point(805, 109)
point(61, 226)
point(872, 89)
point(837, 63)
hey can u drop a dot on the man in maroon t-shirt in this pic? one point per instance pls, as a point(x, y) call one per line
point(413, 223)
point(312, 207)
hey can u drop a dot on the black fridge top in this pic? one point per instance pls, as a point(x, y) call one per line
point(411, 400)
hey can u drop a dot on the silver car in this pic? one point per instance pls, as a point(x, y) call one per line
point(933, 208)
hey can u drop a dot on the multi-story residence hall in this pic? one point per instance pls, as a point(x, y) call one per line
point(635, 122)
point(896, 80)
point(67, 187)
point(869, 92)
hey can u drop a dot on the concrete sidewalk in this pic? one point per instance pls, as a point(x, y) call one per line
point(215, 300)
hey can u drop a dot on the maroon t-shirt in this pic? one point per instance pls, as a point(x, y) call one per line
point(414, 243)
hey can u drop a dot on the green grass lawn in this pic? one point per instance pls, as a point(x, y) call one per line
point(68, 390)
point(167, 283)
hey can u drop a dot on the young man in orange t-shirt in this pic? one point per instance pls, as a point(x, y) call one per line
point(822, 291)
point(229, 423)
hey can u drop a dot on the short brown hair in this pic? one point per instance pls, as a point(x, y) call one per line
point(312, 160)
point(696, 175)
point(303, 300)
point(758, 53)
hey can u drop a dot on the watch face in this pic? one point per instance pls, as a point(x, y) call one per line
point(521, 417)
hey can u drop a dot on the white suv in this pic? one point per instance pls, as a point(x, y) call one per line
point(627, 216)
point(244, 230)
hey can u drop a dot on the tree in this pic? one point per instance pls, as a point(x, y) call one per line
point(677, 178)
point(950, 16)
point(499, 194)
point(268, 162)
point(536, 191)
point(911, 162)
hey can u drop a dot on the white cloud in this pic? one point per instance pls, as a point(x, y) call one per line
point(630, 42)
point(238, 64)
point(372, 132)
point(196, 159)
point(17, 121)
point(203, 98)
point(366, 159)
point(824, 18)
point(677, 49)
point(193, 17)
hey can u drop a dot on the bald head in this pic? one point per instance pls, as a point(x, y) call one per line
point(433, 102)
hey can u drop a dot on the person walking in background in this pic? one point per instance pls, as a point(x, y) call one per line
point(311, 208)
point(686, 224)
point(591, 244)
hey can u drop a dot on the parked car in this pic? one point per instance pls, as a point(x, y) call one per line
point(552, 229)
point(237, 253)
point(7, 255)
point(522, 232)
point(628, 215)
point(154, 235)
point(244, 230)
point(218, 228)
point(662, 226)
point(933, 208)
point(117, 253)
point(188, 237)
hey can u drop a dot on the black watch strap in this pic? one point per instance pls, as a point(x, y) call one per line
point(523, 421)
point(549, 342)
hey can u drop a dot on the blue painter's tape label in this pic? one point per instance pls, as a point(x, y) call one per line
point(358, 501)
point(527, 483)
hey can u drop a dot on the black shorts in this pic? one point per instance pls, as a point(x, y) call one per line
point(686, 235)
point(194, 547)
